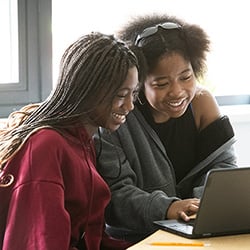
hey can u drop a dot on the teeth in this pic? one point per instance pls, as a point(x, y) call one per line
point(118, 116)
point(175, 104)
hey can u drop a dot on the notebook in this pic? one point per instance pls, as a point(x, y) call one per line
point(224, 206)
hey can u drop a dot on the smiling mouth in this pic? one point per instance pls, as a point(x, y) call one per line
point(176, 103)
point(118, 117)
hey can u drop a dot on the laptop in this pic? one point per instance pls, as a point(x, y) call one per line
point(224, 207)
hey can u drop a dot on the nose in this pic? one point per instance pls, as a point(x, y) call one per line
point(129, 103)
point(175, 89)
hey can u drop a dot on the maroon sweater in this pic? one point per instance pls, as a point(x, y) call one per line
point(56, 195)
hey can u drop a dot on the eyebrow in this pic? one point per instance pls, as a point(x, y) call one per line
point(165, 77)
point(122, 89)
point(126, 88)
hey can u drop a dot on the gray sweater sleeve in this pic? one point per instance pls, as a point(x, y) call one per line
point(135, 165)
point(139, 175)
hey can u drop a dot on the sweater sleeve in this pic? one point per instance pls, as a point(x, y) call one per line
point(136, 200)
point(37, 218)
point(213, 137)
point(215, 150)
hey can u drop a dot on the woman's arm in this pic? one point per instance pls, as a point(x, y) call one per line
point(139, 176)
point(37, 218)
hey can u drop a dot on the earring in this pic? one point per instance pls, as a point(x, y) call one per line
point(139, 100)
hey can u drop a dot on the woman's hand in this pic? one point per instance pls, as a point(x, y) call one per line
point(183, 209)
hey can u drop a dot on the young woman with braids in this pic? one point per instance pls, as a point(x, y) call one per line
point(172, 138)
point(51, 194)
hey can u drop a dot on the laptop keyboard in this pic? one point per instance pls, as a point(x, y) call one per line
point(186, 227)
point(180, 225)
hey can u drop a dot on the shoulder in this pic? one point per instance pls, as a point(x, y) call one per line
point(48, 140)
point(51, 146)
point(47, 134)
point(205, 108)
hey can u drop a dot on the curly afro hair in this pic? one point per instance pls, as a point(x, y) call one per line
point(190, 40)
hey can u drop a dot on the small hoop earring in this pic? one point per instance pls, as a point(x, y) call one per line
point(139, 100)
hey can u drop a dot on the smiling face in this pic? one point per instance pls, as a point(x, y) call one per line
point(122, 104)
point(170, 87)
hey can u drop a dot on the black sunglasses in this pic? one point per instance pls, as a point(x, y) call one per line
point(152, 30)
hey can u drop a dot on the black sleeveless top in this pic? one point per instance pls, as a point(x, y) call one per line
point(179, 137)
point(184, 144)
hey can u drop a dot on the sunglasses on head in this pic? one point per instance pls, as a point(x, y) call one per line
point(152, 30)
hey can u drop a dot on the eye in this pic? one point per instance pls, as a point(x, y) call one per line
point(161, 84)
point(122, 94)
point(186, 78)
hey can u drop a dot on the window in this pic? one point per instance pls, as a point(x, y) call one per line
point(9, 48)
point(224, 21)
point(26, 41)
point(26, 49)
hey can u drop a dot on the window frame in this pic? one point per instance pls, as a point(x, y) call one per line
point(35, 57)
point(228, 100)
point(35, 60)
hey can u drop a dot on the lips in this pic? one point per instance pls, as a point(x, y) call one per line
point(176, 103)
point(177, 107)
point(120, 118)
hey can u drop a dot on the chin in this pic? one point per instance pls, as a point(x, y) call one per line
point(113, 127)
point(177, 114)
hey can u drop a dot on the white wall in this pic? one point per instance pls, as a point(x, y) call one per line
point(239, 116)
point(242, 146)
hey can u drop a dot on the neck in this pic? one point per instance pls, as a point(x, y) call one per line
point(91, 129)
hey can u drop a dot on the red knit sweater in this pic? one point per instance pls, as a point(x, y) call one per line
point(56, 195)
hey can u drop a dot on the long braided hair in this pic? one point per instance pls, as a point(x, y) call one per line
point(92, 69)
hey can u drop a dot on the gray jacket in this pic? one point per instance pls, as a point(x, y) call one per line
point(134, 163)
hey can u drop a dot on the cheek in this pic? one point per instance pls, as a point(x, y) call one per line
point(102, 114)
point(192, 91)
point(117, 103)
point(191, 86)
point(153, 96)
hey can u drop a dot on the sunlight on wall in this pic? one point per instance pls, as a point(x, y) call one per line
point(224, 21)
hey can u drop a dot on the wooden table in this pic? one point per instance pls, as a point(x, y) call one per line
point(234, 242)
